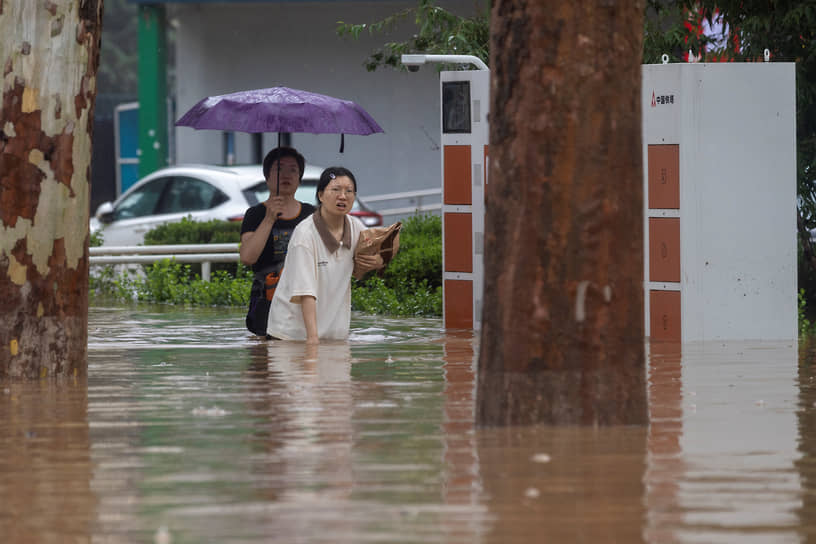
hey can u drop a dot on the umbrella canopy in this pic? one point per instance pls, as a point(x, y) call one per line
point(279, 109)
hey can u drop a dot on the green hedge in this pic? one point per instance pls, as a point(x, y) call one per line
point(188, 231)
point(171, 282)
point(412, 283)
point(420, 253)
point(410, 286)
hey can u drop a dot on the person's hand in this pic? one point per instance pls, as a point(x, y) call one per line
point(366, 263)
point(274, 207)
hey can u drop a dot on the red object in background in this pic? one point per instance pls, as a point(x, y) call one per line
point(696, 31)
point(271, 284)
point(369, 219)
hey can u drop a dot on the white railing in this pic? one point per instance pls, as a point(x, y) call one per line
point(193, 253)
point(417, 196)
point(228, 253)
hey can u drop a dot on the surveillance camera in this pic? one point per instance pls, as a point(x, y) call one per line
point(413, 62)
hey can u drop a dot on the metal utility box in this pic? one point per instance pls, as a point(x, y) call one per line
point(465, 99)
point(719, 154)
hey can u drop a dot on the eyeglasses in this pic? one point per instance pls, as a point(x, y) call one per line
point(337, 190)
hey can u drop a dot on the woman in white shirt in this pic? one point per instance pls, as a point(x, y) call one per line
point(313, 299)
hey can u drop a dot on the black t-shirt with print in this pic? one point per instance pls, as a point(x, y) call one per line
point(274, 251)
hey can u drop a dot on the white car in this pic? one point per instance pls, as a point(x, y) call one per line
point(202, 192)
point(307, 192)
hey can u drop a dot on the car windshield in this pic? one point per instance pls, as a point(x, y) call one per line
point(169, 194)
point(143, 201)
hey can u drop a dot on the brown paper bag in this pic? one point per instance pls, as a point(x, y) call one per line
point(382, 240)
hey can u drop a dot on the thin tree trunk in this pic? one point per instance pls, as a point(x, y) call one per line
point(563, 332)
point(49, 59)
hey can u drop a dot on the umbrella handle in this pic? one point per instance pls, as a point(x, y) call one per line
point(277, 181)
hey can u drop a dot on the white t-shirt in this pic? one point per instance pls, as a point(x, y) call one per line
point(311, 270)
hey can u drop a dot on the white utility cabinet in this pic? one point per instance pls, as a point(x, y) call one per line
point(719, 153)
point(465, 99)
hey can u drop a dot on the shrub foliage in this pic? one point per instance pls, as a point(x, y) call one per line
point(410, 286)
point(188, 231)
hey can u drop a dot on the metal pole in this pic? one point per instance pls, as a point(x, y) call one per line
point(152, 89)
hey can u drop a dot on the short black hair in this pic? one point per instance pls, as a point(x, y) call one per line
point(331, 173)
point(280, 152)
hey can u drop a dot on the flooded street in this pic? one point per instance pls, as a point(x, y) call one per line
point(189, 430)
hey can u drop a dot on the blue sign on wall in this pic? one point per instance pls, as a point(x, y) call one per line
point(126, 133)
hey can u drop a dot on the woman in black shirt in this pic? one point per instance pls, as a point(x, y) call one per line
point(267, 227)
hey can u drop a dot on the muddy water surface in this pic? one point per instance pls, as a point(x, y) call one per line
point(188, 430)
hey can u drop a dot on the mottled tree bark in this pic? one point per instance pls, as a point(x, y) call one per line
point(562, 338)
point(50, 55)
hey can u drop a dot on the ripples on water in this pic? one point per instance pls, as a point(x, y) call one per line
point(189, 430)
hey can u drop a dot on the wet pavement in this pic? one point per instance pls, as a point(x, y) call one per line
point(189, 430)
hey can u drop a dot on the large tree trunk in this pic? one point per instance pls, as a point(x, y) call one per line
point(562, 337)
point(49, 58)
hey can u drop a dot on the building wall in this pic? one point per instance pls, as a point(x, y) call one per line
point(223, 48)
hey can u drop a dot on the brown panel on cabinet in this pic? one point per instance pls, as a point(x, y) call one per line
point(458, 304)
point(457, 174)
point(664, 316)
point(664, 176)
point(458, 242)
point(664, 249)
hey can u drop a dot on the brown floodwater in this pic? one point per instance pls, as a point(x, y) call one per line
point(188, 430)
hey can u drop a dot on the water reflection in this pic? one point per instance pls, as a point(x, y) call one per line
point(723, 444)
point(461, 485)
point(45, 462)
point(563, 484)
point(806, 422)
point(665, 466)
point(189, 429)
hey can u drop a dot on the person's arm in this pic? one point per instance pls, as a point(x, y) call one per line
point(253, 242)
point(308, 306)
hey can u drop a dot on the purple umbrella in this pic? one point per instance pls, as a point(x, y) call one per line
point(279, 109)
